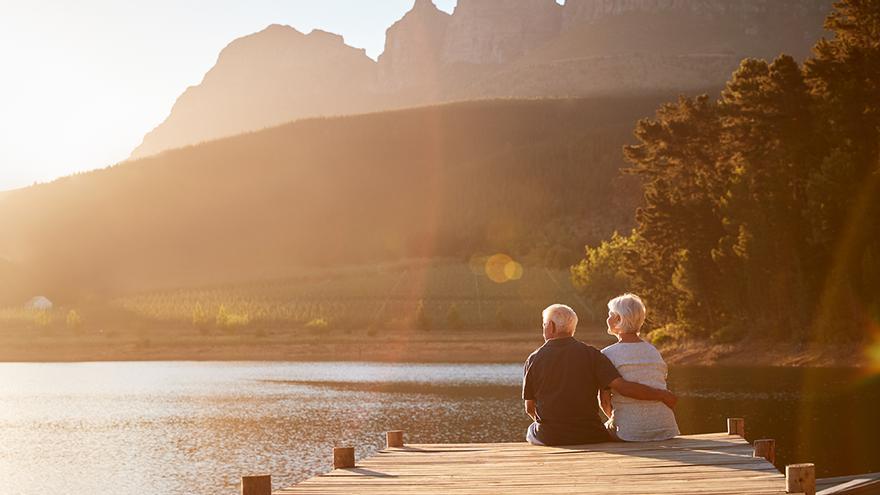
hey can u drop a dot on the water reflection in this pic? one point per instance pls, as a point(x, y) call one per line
point(195, 427)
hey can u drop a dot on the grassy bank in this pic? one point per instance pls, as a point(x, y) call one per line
point(387, 345)
point(439, 310)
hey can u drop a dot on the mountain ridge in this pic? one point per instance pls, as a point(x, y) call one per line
point(486, 49)
point(532, 178)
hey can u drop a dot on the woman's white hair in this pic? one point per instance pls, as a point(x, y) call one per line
point(564, 317)
point(631, 310)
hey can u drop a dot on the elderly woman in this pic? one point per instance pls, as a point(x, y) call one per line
point(634, 420)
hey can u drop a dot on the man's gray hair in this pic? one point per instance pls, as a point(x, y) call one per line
point(631, 310)
point(563, 316)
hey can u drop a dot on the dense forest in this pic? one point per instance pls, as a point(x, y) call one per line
point(761, 210)
point(531, 178)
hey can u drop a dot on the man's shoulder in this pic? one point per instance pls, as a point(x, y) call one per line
point(535, 353)
point(587, 348)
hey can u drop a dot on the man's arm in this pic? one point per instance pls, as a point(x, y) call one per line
point(605, 402)
point(530, 410)
point(643, 392)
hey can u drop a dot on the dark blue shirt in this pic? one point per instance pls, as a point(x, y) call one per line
point(563, 377)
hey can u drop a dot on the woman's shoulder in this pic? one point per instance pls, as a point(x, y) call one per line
point(642, 348)
point(610, 349)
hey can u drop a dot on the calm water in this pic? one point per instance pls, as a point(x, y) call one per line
point(194, 428)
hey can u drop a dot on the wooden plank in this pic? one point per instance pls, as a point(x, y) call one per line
point(697, 464)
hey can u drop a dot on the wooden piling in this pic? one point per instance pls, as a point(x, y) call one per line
point(736, 426)
point(766, 448)
point(343, 457)
point(800, 478)
point(256, 485)
point(394, 438)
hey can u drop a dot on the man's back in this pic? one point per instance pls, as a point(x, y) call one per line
point(563, 377)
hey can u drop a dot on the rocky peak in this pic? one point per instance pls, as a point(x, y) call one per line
point(413, 46)
point(266, 78)
point(493, 32)
point(576, 11)
point(748, 27)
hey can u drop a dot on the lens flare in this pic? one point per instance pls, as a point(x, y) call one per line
point(872, 350)
point(501, 268)
point(513, 270)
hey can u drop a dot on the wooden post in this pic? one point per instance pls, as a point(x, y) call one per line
point(736, 426)
point(256, 485)
point(800, 478)
point(394, 438)
point(343, 457)
point(766, 448)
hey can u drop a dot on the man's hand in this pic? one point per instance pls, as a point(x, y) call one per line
point(643, 392)
point(669, 399)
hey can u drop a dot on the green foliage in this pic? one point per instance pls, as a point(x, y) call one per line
point(377, 296)
point(760, 211)
point(200, 317)
point(228, 319)
point(603, 273)
point(666, 335)
point(42, 318)
point(318, 323)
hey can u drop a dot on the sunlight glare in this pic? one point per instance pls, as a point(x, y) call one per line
point(501, 268)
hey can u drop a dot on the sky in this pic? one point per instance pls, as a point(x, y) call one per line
point(82, 82)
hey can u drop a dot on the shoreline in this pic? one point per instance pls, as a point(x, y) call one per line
point(401, 347)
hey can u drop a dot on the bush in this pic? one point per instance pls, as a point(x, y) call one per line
point(42, 318)
point(199, 316)
point(728, 334)
point(665, 335)
point(501, 320)
point(422, 321)
point(453, 317)
point(227, 319)
point(73, 320)
point(318, 323)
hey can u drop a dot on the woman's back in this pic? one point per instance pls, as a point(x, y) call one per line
point(637, 420)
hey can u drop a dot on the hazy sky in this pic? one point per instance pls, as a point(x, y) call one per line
point(83, 81)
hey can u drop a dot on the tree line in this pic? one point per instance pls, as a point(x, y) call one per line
point(761, 208)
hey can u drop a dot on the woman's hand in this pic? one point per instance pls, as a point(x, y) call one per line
point(605, 402)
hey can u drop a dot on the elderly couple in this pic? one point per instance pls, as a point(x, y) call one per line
point(565, 382)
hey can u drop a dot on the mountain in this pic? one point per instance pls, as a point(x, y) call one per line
point(676, 27)
point(414, 50)
point(487, 49)
point(531, 178)
point(494, 33)
point(265, 79)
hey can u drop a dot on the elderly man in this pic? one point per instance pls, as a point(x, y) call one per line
point(562, 379)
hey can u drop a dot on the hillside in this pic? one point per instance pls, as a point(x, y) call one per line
point(535, 179)
point(486, 49)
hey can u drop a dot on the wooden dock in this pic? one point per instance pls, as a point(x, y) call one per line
point(715, 463)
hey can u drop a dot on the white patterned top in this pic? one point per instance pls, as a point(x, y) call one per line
point(640, 420)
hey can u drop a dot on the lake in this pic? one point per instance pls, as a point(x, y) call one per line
point(186, 427)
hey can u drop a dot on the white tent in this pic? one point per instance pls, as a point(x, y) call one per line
point(41, 303)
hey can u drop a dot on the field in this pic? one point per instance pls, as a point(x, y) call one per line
point(360, 313)
point(432, 310)
point(437, 294)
